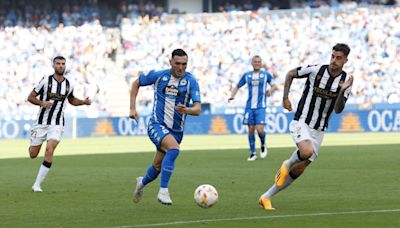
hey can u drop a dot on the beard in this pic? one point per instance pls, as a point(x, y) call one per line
point(60, 72)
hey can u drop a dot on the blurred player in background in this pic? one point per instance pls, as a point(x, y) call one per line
point(174, 88)
point(327, 88)
point(258, 84)
point(52, 91)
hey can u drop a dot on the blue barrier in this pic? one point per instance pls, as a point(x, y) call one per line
point(385, 120)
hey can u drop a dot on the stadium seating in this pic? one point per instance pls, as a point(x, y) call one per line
point(103, 61)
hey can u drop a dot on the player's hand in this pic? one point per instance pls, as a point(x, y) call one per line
point(47, 104)
point(133, 114)
point(347, 83)
point(87, 101)
point(231, 99)
point(287, 104)
point(181, 108)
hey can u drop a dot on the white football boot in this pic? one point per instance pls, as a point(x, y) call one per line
point(252, 157)
point(264, 153)
point(163, 197)
point(36, 189)
point(138, 193)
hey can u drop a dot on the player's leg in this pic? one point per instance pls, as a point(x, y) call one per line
point(303, 152)
point(295, 172)
point(302, 136)
point(249, 120)
point(171, 146)
point(38, 136)
point(154, 169)
point(252, 143)
point(45, 167)
point(151, 174)
point(261, 135)
point(34, 151)
point(260, 125)
point(156, 133)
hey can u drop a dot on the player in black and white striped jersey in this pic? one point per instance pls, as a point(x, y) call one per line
point(327, 88)
point(52, 90)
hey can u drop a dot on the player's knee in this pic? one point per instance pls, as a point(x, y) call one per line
point(306, 150)
point(33, 153)
point(306, 154)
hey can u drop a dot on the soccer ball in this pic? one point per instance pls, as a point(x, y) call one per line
point(206, 195)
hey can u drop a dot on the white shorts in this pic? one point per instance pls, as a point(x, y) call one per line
point(301, 131)
point(41, 133)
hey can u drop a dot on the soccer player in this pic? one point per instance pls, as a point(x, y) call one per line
point(174, 88)
point(52, 91)
point(257, 83)
point(327, 88)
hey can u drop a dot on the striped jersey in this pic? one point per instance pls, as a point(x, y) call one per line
point(257, 88)
point(49, 89)
point(319, 95)
point(170, 91)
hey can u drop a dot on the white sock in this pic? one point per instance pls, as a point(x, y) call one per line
point(163, 190)
point(275, 189)
point(293, 159)
point(43, 171)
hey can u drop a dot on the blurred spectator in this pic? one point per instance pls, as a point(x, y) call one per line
point(220, 47)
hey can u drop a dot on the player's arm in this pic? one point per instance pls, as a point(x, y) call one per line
point(234, 91)
point(32, 98)
point(343, 95)
point(195, 110)
point(288, 82)
point(134, 91)
point(143, 80)
point(76, 102)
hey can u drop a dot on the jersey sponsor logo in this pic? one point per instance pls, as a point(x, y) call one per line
point(323, 93)
point(171, 90)
point(255, 82)
point(56, 96)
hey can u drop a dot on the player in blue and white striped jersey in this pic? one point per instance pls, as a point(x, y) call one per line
point(258, 83)
point(174, 90)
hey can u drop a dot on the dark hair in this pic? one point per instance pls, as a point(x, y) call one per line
point(58, 57)
point(342, 47)
point(179, 52)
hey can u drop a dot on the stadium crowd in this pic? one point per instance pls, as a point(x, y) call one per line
point(220, 47)
point(26, 58)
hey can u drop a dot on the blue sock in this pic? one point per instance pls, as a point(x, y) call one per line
point(262, 139)
point(167, 167)
point(252, 141)
point(151, 175)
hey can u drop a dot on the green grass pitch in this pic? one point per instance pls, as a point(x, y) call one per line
point(353, 183)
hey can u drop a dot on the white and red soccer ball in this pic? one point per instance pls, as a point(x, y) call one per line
point(206, 196)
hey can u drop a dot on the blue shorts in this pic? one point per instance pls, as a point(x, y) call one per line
point(157, 133)
point(254, 116)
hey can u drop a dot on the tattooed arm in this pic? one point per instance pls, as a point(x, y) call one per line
point(288, 82)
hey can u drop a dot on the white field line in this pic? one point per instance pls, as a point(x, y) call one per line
point(261, 217)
